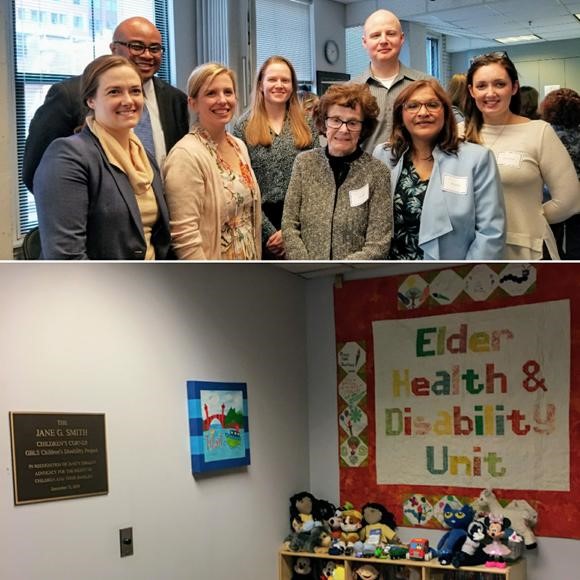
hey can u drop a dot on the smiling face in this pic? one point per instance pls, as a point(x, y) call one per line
point(343, 141)
point(142, 31)
point(215, 103)
point(276, 85)
point(424, 125)
point(118, 101)
point(492, 89)
point(383, 37)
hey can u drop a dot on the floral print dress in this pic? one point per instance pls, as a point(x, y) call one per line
point(407, 207)
point(238, 240)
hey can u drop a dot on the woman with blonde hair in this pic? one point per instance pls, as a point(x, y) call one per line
point(98, 193)
point(212, 193)
point(275, 129)
point(457, 91)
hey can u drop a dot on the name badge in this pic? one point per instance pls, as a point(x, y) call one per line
point(358, 196)
point(455, 184)
point(509, 158)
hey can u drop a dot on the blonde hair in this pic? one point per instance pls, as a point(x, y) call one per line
point(207, 73)
point(258, 128)
point(457, 90)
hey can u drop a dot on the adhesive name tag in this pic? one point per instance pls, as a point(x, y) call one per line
point(358, 196)
point(455, 184)
point(509, 158)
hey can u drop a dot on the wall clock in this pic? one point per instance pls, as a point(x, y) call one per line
point(331, 51)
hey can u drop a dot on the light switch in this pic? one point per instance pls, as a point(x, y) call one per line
point(126, 540)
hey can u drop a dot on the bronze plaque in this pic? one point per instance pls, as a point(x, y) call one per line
point(58, 456)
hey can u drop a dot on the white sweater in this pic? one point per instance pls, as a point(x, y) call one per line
point(529, 155)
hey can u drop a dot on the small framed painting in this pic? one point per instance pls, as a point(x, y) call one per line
point(218, 425)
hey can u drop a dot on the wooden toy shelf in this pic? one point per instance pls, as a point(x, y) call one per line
point(426, 570)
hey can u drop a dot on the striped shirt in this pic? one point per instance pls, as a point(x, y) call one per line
point(386, 99)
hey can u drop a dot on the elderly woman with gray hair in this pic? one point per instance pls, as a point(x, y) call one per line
point(338, 203)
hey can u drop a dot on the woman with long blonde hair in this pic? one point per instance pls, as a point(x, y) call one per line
point(275, 130)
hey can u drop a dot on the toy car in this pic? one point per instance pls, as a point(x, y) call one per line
point(419, 550)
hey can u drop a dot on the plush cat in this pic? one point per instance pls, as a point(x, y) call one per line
point(452, 541)
point(471, 553)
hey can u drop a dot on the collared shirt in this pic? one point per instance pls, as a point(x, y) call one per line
point(386, 99)
point(153, 108)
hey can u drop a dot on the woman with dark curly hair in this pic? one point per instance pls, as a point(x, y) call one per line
point(448, 203)
point(561, 108)
point(338, 204)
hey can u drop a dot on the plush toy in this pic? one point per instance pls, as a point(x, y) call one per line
point(522, 517)
point(496, 550)
point(324, 511)
point(378, 527)
point(351, 524)
point(301, 508)
point(319, 539)
point(366, 572)
point(452, 541)
point(471, 553)
point(303, 570)
point(332, 571)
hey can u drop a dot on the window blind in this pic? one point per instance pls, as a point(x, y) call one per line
point(357, 59)
point(293, 41)
point(56, 39)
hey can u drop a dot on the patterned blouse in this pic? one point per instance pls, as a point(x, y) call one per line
point(237, 235)
point(273, 166)
point(407, 207)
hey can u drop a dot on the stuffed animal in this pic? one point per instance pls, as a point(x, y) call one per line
point(351, 524)
point(366, 572)
point(471, 553)
point(303, 569)
point(319, 540)
point(378, 527)
point(452, 541)
point(496, 550)
point(521, 515)
point(332, 571)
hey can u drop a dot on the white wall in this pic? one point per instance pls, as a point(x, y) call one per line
point(554, 558)
point(123, 339)
point(329, 18)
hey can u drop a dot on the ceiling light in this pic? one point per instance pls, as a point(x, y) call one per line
point(523, 38)
point(577, 16)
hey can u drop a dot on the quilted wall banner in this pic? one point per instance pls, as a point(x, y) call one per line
point(491, 398)
point(474, 399)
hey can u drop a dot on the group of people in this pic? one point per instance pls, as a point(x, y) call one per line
point(404, 172)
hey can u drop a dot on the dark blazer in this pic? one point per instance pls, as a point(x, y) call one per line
point(62, 112)
point(86, 207)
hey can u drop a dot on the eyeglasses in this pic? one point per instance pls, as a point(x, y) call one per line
point(138, 48)
point(336, 123)
point(501, 54)
point(414, 107)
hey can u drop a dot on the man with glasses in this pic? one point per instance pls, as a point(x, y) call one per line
point(386, 75)
point(165, 116)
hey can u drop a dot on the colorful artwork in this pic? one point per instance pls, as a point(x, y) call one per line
point(218, 425)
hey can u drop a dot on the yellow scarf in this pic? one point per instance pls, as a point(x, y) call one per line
point(135, 165)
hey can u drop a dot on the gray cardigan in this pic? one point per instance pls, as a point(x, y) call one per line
point(353, 223)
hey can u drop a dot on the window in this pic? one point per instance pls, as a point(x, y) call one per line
point(432, 46)
point(357, 59)
point(47, 52)
point(293, 42)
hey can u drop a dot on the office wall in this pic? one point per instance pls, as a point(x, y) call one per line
point(539, 64)
point(329, 24)
point(122, 340)
point(554, 558)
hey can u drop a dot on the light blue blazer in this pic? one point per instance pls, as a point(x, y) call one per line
point(463, 215)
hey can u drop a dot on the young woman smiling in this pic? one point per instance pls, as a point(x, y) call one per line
point(447, 194)
point(98, 194)
point(212, 193)
point(275, 130)
point(528, 153)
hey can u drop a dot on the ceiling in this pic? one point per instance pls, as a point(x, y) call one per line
point(351, 270)
point(485, 20)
